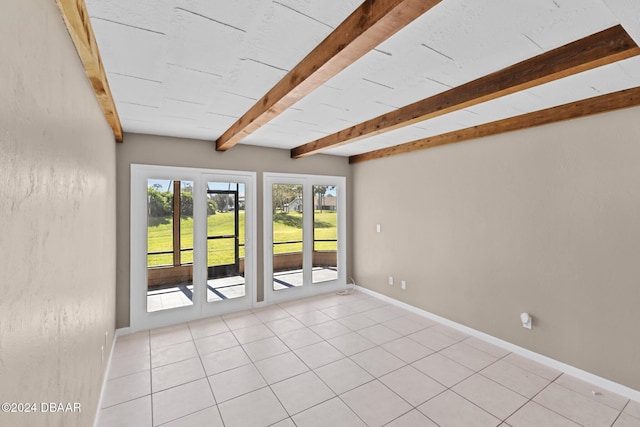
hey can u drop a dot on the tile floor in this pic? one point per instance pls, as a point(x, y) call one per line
point(340, 361)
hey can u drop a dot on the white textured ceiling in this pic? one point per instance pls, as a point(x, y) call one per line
point(191, 68)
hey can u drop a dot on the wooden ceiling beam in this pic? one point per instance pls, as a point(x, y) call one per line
point(369, 25)
point(593, 51)
point(76, 18)
point(600, 104)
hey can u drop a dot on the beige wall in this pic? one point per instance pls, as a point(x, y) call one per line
point(167, 151)
point(57, 220)
point(545, 220)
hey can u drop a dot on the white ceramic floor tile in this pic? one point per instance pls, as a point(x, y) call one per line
point(135, 412)
point(351, 343)
point(130, 344)
point(534, 415)
point(287, 422)
point(301, 392)
point(375, 383)
point(377, 361)
point(385, 313)
point(241, 320)
point(259, 408)
point(633, 409)
point(340, 311)
point(126, 388)
point(407, 349)
point(332, 413)
point(425, 321)
point(366, 305)
point(281, 367)
point(331, 329)
point(297, 307)
point(180, 401)
point(490, 396)
point(173, 353)
point(432, 339)
point(300, 338)
point(216, 342)
point(171, 335)
point(592, 392)
point(209, 417)
point(486, 347)
point(142, 336)
point(168, 329)
point(236, 382)
point(515, 378)
point(282, 326)
point(343, 375)
point(442, 369)
point(375, 404)
point(311, 318)
point(533, 367)
point(177, 373)
point(329, 300)
point(625, 420)
point(270, 313)
point(223, 360)
point(205, 327)
point(469, 356)
point(379, 334)
point(252, 333)
point(414, 418)
point(576, 407)
point(412, 385)
point(453, 333)
point(265, 348)
point(356, 322)
point(319, 354)
point(131, 364)
point(404, 325)
point(450, 410)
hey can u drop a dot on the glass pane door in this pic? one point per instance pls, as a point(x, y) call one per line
point(193, 251)
point(325, 234)
point(226, 202)
point(288, 233)
point(169, 244)
point(304, 234)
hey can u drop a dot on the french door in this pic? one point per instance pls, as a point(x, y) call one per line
point(304, 235)
point(193, 253)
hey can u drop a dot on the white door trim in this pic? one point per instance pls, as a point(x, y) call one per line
point(308, 288)
point(140, 319)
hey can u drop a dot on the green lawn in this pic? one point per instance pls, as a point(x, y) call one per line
point(287, 227)
point(160, 232)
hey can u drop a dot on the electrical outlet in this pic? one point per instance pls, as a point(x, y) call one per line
point(377, 228)
point(403, 285)
point(391, 280)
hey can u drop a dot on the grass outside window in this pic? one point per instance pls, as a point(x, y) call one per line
point(286, 227)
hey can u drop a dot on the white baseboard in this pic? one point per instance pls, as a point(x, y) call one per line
point(260, 304)
point(106, 375)
point(544, 360)
point(123, 331)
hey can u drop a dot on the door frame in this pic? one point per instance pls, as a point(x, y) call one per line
point(215, 308)
point(308, 288)
point(140, 319)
